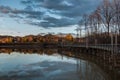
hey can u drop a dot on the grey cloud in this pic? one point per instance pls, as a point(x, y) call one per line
point(15, 13)
point(14, 16)
point(70, 11)
point(26, 12)
point(56, 5)
point(5, 9)
point(26, 2)
point(65, 8)
point(53, 22)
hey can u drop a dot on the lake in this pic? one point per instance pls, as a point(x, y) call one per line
point(52, 64)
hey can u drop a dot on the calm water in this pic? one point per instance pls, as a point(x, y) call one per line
point(47, 65)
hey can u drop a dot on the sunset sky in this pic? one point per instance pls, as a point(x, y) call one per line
point(23, 17)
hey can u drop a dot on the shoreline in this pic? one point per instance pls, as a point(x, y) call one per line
point(27, 45)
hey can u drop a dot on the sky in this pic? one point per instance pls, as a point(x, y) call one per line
point(24, 17)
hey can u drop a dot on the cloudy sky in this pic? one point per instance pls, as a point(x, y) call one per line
point(23, 17)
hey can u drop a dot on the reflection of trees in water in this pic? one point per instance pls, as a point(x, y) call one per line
point(109, 64)
point(29, 51)
point(8, 51)
point(90, 71)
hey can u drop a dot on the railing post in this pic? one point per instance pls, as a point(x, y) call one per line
point(116, 49)
point(112, 43)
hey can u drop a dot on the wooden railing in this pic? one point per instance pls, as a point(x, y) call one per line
point(108, 47)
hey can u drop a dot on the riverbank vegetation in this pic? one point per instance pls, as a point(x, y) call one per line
point(48, 38)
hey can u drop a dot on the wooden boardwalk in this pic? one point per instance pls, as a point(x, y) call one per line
point(111, 48)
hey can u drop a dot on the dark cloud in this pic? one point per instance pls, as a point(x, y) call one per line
point(57, 5)
point(15, 13)
point(26, 12)
point(5, 9)
point(59, 22)
point(26, 2)
point(54, 13)
point(53, 22)
point(65, 8)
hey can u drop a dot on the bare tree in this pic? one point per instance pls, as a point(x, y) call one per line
point(86, 28)
point(106, 18)
point(116, 19)
point(106, 13)
point(95, 21)
point(80, 27)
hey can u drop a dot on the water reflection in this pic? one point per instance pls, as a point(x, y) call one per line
point(55, 64)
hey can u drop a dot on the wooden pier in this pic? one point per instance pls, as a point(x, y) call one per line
point(108, 47)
